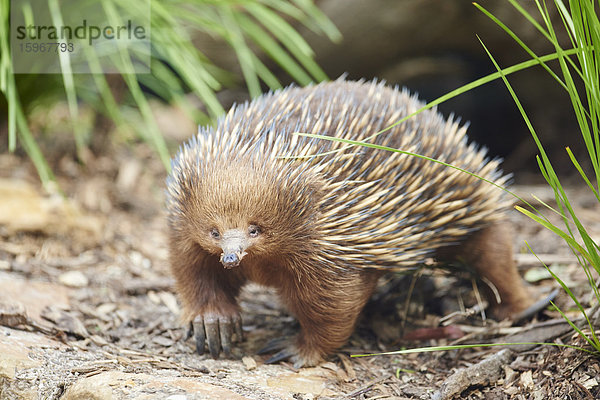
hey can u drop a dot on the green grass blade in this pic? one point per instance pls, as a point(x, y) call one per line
point(530, 18)
point(273, 50)
point(468, 346)
point(321, 20)
point(582, 173)
point(594, 341)
point(236, 39)
point(150, 130)
point(17, 123)
point(31, 147)
point(109, 104)
point(68, 82)
point(521, 43)
point(288, 36)
point(565, 236)
point(265, 74)
point(7, 82)
point(470, 86)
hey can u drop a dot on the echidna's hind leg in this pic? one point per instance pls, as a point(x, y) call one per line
point(489, 252)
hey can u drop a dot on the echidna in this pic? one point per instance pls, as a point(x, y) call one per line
point(320, 220)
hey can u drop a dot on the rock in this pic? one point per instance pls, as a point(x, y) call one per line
point(249, 363)
point(34, 296)
point(22, 208)
point(116, 385)
point(66, 321)
point(299, 383)
point(75, 279)
point(18, 351)
point(485, 372)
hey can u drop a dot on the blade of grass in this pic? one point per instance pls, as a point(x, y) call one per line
point(109, 104)
point(236, 39)
point(456, 92)
point(288, 36)
point(150, 130)
point(17, 123)
point(7, 82)
point(551, 176)
point(566, 237)
point(593, 342)
point(265, 74)
point(69, 84)
point(521, 43)
point(391, 149)
point(582, 173)
point(468, 346)
point(31, 147)
point(322, 21)
point(273, 50)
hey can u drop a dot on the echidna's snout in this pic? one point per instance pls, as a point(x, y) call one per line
point(234, 246)
point(230, 260)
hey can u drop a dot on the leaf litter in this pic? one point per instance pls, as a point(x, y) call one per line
point(104, 247)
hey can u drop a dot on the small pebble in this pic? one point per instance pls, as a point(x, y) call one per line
point(74, 279)
point(163, 341)
point(170, 301)
point(249, 362)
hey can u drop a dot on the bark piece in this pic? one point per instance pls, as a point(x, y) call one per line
point(485, 372)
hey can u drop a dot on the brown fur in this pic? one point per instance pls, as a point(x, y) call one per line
point(329, 227)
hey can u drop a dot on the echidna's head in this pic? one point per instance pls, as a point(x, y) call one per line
point(244, 209)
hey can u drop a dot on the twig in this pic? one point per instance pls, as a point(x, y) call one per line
point(368, 386)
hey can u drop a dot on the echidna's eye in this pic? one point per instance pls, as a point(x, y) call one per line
point(253, 231)
point(215, 234)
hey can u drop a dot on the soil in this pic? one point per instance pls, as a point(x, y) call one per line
point(103, 240)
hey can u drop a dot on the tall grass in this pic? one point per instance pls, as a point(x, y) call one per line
point(580, 77)
point(178, 68)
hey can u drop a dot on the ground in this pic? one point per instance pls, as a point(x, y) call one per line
point(88, 310)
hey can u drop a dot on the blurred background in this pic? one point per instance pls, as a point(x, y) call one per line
point(207, 55)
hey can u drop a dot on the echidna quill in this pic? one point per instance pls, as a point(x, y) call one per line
point(249, 201)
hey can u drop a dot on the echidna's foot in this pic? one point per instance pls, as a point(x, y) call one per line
point(218, 332)
point(287, 350)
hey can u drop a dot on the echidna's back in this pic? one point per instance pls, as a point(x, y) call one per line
point(384, 209)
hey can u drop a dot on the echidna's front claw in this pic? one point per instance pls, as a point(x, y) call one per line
point(217, 331)
point(199, 334)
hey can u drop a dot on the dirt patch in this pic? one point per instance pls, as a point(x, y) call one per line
point(109, 310)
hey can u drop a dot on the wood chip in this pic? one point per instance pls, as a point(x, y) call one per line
point(526, 380)
point(65, 321)
point(366, 388)
point(12, 314)
point(163, 341)
point(485, 372)
point(169, 300)
point(347, 366)
point(75, 279)
point(249, 363)
point(142, 286)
